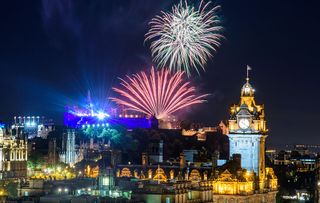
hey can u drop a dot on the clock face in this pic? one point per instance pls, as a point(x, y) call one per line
point(244, 123)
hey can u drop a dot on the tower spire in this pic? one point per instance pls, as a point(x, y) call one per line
point(247, 89)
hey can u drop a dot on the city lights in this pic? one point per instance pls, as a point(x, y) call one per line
point(83, 118)
point(87, 115)
point(101, 115)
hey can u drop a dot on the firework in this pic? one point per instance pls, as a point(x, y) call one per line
point(185, 37)
point(158, 94)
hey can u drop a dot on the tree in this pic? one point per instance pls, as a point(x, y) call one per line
point(35, 160)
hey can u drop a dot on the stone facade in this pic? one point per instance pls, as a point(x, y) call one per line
point(13, 157)
point(250, 146)
point(253, 198)
point(249, 181)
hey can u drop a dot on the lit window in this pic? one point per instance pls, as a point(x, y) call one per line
point(105, 181)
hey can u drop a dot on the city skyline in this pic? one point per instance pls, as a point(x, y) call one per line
point(159, 101)
point(52, 63)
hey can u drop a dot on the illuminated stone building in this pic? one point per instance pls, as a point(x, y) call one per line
point(194, 176)
point(163, 182)
point(13, 156)
point(33, 126)
point(202, 131)
point(250, 181)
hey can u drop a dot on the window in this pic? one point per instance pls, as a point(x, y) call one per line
point(105, 181)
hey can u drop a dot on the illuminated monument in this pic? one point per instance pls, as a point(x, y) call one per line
point(70, 147)
point(250, 180)
point(248, 131)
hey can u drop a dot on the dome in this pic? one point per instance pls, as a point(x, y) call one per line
point(247, 89)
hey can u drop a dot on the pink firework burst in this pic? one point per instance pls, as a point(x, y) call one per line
point(158, 94)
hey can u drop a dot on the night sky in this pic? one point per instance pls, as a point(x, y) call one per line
point(53, 52)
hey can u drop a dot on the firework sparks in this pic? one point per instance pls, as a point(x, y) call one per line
point(159, 94)
point(184, 38)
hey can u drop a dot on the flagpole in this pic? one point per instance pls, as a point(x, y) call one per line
point(248, 68)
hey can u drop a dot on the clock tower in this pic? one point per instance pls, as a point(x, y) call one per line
point(248, 132)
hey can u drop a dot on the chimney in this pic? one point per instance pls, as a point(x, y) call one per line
point(144, 159)
point(215, 158)
point(182, 160)
point(237, 159)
